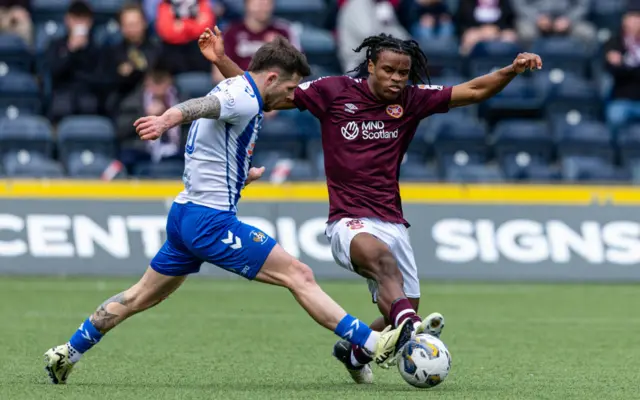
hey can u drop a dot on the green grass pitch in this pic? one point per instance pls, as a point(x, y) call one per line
point(240, 340)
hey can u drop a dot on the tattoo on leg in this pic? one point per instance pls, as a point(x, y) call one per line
point(104, 320)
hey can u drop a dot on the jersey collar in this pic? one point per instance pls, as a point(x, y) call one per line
point(248, 77)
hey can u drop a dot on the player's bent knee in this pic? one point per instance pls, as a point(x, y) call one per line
point(387, 268)
point(301, 276)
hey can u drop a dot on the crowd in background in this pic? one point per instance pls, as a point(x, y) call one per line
point(127, 65)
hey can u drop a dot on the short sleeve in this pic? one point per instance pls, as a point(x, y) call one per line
point(317, 96)
point(425, 100)
point(237, 103)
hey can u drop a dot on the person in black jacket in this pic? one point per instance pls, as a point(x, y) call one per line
point(127, 62)
point(622, 58)
point(73, 61)
point(484, 20)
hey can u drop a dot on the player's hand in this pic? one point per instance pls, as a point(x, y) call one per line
point(211, 44)
point(527, 61)
point(254, 174)
point(150, 128)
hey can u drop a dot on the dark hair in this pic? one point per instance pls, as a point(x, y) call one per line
point(375, 44)
point(281, 54)
point(80, 8)
point(131, 6)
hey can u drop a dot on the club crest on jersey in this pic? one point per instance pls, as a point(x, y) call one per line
point(395, 110)
point(350, 108)
point(250, 149)
point(355, 224)
point(258, 237)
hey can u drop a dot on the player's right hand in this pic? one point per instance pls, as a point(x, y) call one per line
point(150, 128)
point(211, 44)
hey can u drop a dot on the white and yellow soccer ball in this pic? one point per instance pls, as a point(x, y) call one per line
point(424, 361)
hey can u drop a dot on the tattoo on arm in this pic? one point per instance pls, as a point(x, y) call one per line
point(202, 107)
point(104, 320)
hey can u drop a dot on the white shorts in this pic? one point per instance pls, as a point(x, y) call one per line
point(396, 236)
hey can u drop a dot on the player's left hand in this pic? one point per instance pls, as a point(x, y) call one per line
point(211, 44)
point(150, 128)
point(254, 174)
point(527, 61)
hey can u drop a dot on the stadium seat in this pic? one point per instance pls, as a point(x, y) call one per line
point(418, 147)
point(413, 171)
point(588, 138)
point(629, 144)
point(566, 91)
point(607, 14)
point(193, 84)
point(49, 10)
point(520, 99)
point(444, 57)
point(473, 174)
point(20, 90)
point(460, 141)
point(86, 133)
point(106, 10)
point(45, 33)
point(311, 12)
point(522, 167)
point(523, 138)
point(486, 56)
point(564, 53)
point(107, 34)
point(88, 165)
point(279, 127)
point(592, 169)
point(168, 169)
point(320, 48)
point(15, 53)
point(30, 133)
point(25, 164)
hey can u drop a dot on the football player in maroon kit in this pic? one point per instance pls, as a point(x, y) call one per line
point(367, 125)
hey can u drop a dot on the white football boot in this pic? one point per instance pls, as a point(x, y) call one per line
point(432, 325)
point(58, 364)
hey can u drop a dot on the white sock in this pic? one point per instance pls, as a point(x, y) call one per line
point(416, 325)
point(74, 355)
point(370, 344)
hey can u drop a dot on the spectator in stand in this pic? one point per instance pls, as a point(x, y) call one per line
point(434, 20)
point(179, 24)
point(553, 17)
point(153, 97)
point(485, 20)
point(15, 18)
point(73, 61)
point(242, 39)
point(622, 55)
point(128, 61)
point(359, 19)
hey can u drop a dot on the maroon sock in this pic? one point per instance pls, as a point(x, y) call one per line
point(360, 355)
point(401, 310)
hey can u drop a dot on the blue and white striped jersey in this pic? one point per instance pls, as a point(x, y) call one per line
point(219, 151)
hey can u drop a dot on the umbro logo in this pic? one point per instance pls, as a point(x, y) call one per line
point(350, 108)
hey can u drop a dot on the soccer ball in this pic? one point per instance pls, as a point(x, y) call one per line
point(424, 361)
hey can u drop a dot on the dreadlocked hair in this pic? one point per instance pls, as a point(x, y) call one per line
point(375, 44)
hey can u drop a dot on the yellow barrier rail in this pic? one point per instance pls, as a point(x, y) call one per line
point(317, 192)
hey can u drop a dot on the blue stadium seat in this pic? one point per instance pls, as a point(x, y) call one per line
point(20, 90)
point(320, 48)
point(521, 137)
point(592, 169)
point(588, 138)
point(629, 144)
point(565, 53)
point(307, 12)
point(461, 141)
point(47, 10)
point(444, 57)
point(25, 164)
point(486, 56)
point(47, 32)
point(473, 174)
point(86, 133)
point(15, 53)
point(519, 167)
point(107, 34)
point(302, 171)
point(105, 10)
point(566, 91)
point(168, 169)
point(88, 165)
point(520, 99)
point(279, 127)
point(193, 84)
point(30, 133)
point(607, 14)
point(412, 171)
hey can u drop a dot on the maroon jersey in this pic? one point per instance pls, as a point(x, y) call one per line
point(364, 141)
point(241, 44)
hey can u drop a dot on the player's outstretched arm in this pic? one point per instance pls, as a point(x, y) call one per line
point(152, 127)
point(211, 46)
point(486, 86)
